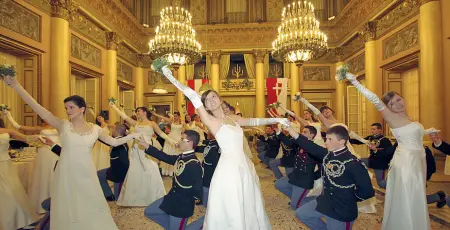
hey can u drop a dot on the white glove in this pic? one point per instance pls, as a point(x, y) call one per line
point(310, 106)
point(268, 121)
point(355, 136)
point(288, 111)
point(431, 130)
point(373, 98)
point(121, 113)
point(188, 92)
point(11, 119)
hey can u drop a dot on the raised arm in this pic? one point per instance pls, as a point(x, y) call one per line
point(19, 136)
point(29, 129)
point(211, 122)
point(391, 118)
point(122, 114)
point(302, 121)
point(355, 136)
point(104, 137)
point(41, 111)
point(170, 120)
point(162, 134)
point(242, 121)
point(309, 146)
point(323, 119)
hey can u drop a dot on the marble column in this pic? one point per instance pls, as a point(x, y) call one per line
point(59, 56)
point(180, 96)
point(139, 81)
point(431, 112)
point(110, 81)
point(295, 87)
point(215, 69)
point(260, 85)
point(373, 82)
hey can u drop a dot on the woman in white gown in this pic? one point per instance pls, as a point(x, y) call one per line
point(100, 153)
point(405, 206)
point(176, 128)
point(44, 163)
point(143, 183)
point(16, 210)
point(235, 199)
point(77, 198)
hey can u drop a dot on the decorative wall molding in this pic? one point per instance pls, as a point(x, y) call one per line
point(19, 19)
point(86, 27)
point(397, 16)
point(357, 64)
point(124, 72)
point(198, 10)
point(86, 52)
point(353, 46)
point(316, 73)
point(404, 39)
point(126, 53)
point(153, 78)
point(273, 10)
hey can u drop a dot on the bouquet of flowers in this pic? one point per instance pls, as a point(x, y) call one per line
point(341, 72)
point(152, 109)
point(112, 100)
point(297, 97)
point(7, 70)
point(158, 64)
point(4, 107)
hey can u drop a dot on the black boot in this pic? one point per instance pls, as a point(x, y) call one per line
point(110, 198)
point(442, 202)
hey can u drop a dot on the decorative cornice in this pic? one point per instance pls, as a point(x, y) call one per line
point(62, 8)
point(112, 40)
point(369, 31)
point(259, 55)
point(215, 56)
point(140, 60)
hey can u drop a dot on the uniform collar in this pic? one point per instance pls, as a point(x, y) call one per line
point(340, 151)
point(377, 135)
point(188, 152)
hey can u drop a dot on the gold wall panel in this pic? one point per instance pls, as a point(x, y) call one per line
point(316, 73)
point(124, 72)
point(153, 78)
point(357, 64)
point(402, 40)
point(126, 53)
point(86, 27)
point(396, 17)
point(274, 9)
point(20, 20)
point(86, 52)
point(198, 10)
point(353, 46)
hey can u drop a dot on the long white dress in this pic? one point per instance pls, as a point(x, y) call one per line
point(235, 199)
point(100, 153)
point(43, 171)
point(405, 205)
point(16, 210)
point(143, 183)
point(175, 134)
point(77, 198)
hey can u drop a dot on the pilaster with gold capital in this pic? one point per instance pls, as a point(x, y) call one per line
point(260, 83)
point(112, 40)
point(215, 70)
point(62, 8)
point(139, 80)
point(139, 60)
point(370, 31)
point(259, 55)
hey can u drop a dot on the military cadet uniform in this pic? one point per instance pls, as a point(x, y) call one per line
point(297, 184)
point(379, 159)
point(211, 155)
point(174, 209)
point(345, 182)
point(273, 145)
point(288, 159)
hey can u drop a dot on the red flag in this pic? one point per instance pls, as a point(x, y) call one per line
point(195, 85)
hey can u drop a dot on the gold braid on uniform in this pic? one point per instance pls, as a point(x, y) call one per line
point(179, 168)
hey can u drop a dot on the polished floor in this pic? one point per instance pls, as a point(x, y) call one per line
point(280, 215)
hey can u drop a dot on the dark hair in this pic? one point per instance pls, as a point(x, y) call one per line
point(96, 120)
point(168, 126)
point(387, 97)
point(323, 108)
point(340, 131)
point(311, 129)
point(176, 113)
point(2, 123)
point(287, 115)
point(378, 125)
point(134, 117)
point(122, 129)
point(203, 99)
point(78, 101)
point(239, 114)
point(149, 114)
point(185, 117)
point(193, 136)
point(312, 114)
point(193, 116)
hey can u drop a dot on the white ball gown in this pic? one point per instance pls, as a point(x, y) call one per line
point(43, 171)
point(175, 134)
point(16, 210)
point(405, 206)
point(100, 153)
point(235, 199)
point(143, 183)
point(77, 198)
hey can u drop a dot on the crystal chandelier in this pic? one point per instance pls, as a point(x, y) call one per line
point(299, 38)
point(175, 38)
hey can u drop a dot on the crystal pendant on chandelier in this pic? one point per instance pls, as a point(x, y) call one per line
point(175, 38)
point(299, 38)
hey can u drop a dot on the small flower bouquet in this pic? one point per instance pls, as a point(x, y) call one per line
point(158, 64)
point(152, 109)
point(7, 70)
point(341, 73)
point(297, 97)
point(112, 100)
point(276, 105)
point(3, 107)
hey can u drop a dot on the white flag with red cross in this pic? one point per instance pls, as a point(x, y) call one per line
point(195, 85)
point(277, 92)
